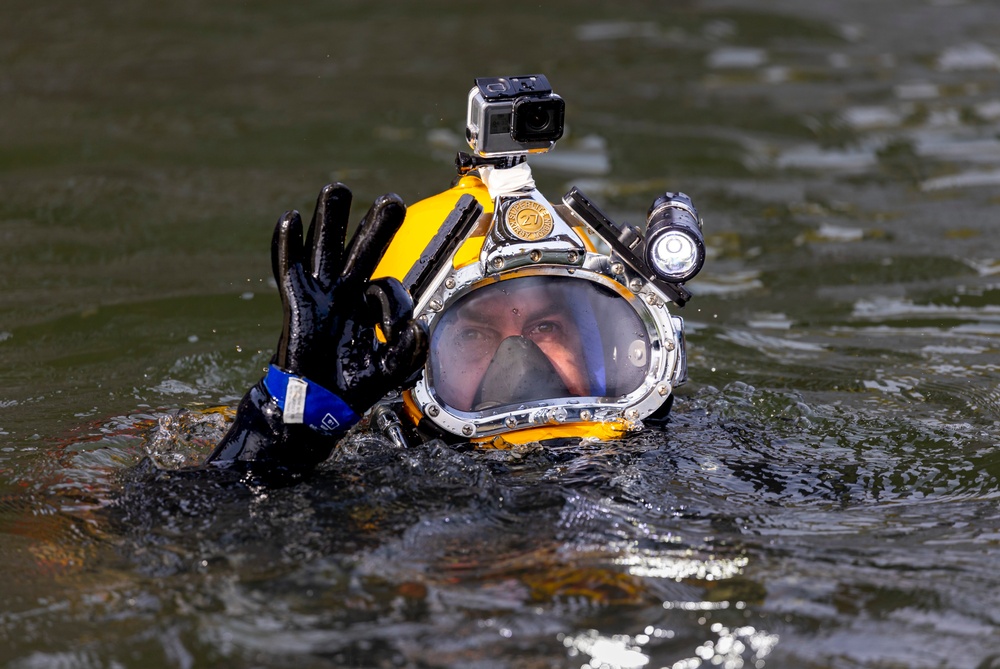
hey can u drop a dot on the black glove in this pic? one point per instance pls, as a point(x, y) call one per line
point(328, 335)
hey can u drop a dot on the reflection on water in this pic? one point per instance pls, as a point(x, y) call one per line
point(825, 494)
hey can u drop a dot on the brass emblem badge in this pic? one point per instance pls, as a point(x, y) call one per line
point(529, 220)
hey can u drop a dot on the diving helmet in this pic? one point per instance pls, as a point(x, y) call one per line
point(545, 320)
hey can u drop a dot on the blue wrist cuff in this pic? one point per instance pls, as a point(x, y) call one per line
point(308, 403)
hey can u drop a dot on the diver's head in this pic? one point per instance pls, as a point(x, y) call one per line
point(545, 320)
point(537, 328)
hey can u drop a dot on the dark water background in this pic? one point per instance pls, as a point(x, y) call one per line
point(826, 494)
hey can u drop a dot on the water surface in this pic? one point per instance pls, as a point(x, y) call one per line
point(825, 494)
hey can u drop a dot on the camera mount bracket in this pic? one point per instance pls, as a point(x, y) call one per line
point(466, 162)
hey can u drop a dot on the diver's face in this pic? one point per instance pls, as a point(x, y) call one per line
point(483, 322)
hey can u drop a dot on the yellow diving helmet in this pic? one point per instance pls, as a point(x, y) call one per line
point(545, 320)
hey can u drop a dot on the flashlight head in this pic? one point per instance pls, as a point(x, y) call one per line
point(675, 246)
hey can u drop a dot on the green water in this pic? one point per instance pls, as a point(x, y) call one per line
point(825, 495)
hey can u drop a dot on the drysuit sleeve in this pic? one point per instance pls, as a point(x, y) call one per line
point(330, 365)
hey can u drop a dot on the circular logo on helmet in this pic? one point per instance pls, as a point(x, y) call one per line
point(529, 220)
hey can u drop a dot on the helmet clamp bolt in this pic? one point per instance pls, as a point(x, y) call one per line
point(468, 430)
point(670, 346)
point(510, 422)
point(663, 390)
point(632, 414)
point(586, 414)
point(497, 263)
point(635, 285)
point(535, 255)
point(433, 411)
point(617, 268)
point(435, 305)
point(449, 283)
point(572, 256)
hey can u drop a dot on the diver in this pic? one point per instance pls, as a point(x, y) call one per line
point(484, 313)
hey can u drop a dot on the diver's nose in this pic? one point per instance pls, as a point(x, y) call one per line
point(519, 372)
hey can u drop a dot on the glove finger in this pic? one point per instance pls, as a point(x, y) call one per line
point(286, 246)
point(325, 240)
point(389, 305)
point(372, 238)
point(286, 253)
point(408, 353)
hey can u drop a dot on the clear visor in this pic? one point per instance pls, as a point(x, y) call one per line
point(537, 338)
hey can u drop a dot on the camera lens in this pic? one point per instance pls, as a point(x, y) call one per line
point(538, 119)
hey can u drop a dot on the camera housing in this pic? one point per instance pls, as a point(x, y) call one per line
point(513, 115)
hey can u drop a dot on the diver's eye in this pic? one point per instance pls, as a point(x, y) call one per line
point(544, 330)
point(471, 335)
point(474, 342)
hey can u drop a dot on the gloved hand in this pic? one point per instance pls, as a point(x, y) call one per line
point(331, 308)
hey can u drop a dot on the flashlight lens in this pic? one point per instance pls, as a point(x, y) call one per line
point(675, 254)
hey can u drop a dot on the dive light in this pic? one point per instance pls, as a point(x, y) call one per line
point(675, 245)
